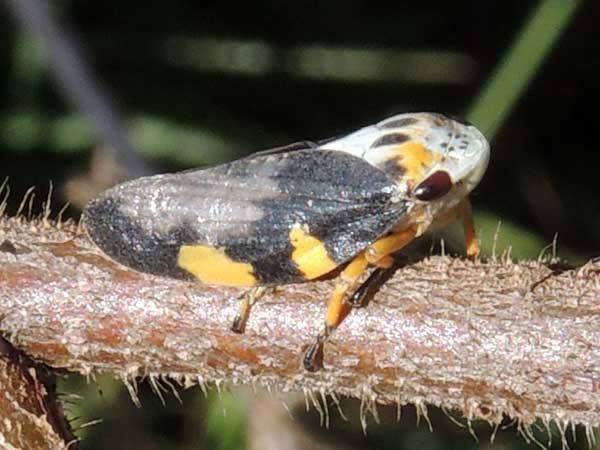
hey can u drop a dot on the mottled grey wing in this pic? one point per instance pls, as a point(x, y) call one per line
point(246, 207)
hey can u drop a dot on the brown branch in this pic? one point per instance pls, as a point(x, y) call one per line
point(31, 415)
point(487, 338)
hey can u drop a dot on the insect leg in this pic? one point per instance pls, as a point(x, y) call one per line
point(385, 263)
point(471, 242)
point(385, 246)
point(369, 286)
point(337, 310)
point(246, 301)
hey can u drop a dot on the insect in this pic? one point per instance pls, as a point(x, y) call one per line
point(297, 213)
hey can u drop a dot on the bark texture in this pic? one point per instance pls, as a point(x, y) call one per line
point(31, 416)
point(487, 338)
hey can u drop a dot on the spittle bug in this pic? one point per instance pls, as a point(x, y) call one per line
point(297, 213)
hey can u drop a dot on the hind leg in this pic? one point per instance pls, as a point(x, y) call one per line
point(246, 301)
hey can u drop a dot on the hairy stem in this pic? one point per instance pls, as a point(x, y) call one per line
point(487, 338)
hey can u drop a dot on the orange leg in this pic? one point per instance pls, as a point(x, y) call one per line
point(471, 242)
point(385, 263)
point(385, 246)
point(337, 310)
point(379, 254)
point(463, 210)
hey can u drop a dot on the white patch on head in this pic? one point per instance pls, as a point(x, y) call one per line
point(357, 143)
point(463, 149)
point(464, 154)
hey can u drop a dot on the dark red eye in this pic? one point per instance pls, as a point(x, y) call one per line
point(434, 186)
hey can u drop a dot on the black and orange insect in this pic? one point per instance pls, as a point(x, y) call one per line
point(297, 213)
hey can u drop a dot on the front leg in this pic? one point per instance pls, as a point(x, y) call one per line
point(471, 241)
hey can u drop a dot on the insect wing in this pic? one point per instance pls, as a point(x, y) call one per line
point(270, 219)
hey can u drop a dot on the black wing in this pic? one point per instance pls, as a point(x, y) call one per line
point(247, 208)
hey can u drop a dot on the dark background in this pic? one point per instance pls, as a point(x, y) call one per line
point(201, 82)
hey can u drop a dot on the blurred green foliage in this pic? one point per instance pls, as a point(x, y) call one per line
point(520, 63)
point(225, 423)
point(201, 83)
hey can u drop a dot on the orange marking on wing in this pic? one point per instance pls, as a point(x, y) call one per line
point(310, 254)
point(212, 266)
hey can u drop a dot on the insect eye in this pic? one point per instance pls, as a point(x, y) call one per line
point(434, 186)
